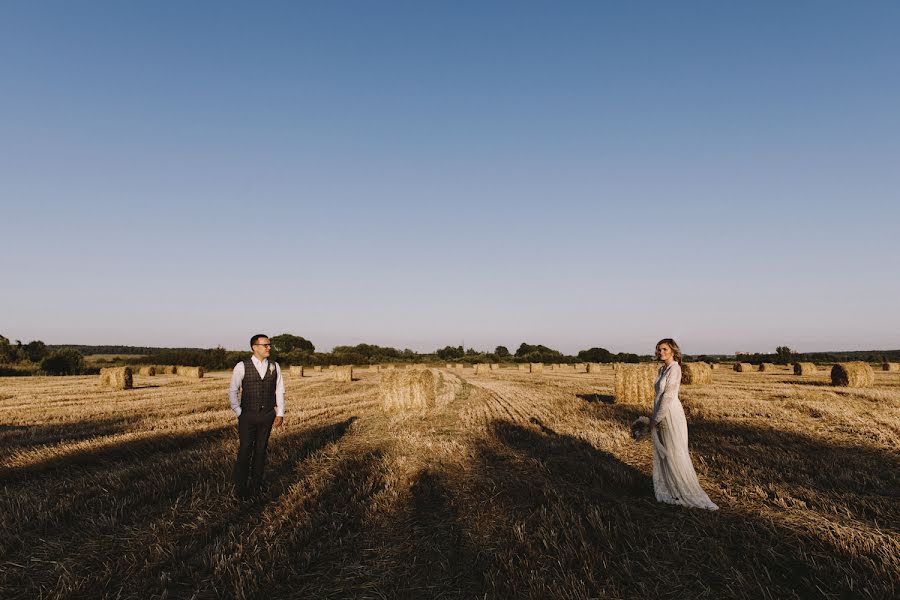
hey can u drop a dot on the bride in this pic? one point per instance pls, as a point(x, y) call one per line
point(674, 478)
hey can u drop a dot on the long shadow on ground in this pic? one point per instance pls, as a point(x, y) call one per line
point(121, 529)
point(556, 517)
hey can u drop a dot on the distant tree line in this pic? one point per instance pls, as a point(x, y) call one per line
point(289, 349)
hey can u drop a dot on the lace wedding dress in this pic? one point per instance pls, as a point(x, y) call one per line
point(674, 478)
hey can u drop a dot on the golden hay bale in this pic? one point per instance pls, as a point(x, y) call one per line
point(852, 374)
point(390, 367)
point(481, 368)
point(343, 373)
point(317, 369)
point(495, 367)
point(147, 371)
point(165, 370)
point(408, 389)
point(743, 367)
point(767, 367)
point(697, 373)
point(634, 383)
point(536, 368)
point(376, 368)
point(297, 370)
point(713, 366)
point(459, 365)
point(524, 368)
point(890, 367)
point(195, 372)
point(449, 365)
point(594, 367)
point(804, 368)
point(119, 378)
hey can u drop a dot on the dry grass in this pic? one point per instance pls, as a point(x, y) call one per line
point(513, 486)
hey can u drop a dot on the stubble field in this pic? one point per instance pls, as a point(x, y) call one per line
point(514, 486)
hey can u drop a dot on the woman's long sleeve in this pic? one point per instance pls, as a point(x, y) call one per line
point(668, 392)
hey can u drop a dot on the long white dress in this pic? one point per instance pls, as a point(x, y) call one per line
point(674, 478)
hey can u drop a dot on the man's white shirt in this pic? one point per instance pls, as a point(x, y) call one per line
point(237, 376)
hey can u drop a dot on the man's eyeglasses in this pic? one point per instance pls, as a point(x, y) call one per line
point(264, 345)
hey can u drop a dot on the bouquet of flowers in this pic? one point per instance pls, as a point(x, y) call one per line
point(640, 429)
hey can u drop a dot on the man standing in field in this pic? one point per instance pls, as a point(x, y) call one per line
point(261, 406)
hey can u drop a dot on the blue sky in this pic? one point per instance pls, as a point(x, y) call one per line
point(418, 174)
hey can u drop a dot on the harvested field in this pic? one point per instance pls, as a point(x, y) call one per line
point(510, 486)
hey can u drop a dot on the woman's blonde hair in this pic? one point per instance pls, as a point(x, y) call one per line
point(676, 351)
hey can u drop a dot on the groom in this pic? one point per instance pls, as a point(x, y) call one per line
point(261, 406)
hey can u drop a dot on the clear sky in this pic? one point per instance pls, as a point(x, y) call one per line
point(418, 174)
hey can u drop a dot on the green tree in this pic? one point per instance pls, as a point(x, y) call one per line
point(65, 361)
point(36, 351)
point(502, 352)
point(287, 342)
point(598, 355)
point(784, 354)
point(450, 352)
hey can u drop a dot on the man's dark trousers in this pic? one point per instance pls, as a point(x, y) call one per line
point(254, 428)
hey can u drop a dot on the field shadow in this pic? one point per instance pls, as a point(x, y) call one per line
point(827, 476)
point(597, 398)
point(142, 449)
point(23, 437)
point(557, 517)
point(146, 506)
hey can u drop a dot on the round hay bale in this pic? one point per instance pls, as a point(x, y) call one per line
point(852, 374)
point(118, 378)
point(482, 368)
point(890, 367)
point(594, 367)
point(536, 368)
point(634, 383)
point(743, 367)
point(147, 371)
point(713, 366)
point(697, 373)
point(343, 373)
point(165, 369)
point(297, 370)
point(767, 367)
point(804, 368)
point(194, 372)
point(408, 389)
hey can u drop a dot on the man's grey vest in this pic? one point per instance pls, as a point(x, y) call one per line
point(258, 393)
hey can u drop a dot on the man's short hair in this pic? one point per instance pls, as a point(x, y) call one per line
point(256, 337)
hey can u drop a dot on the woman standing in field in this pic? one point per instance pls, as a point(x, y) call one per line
point(674, 478)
